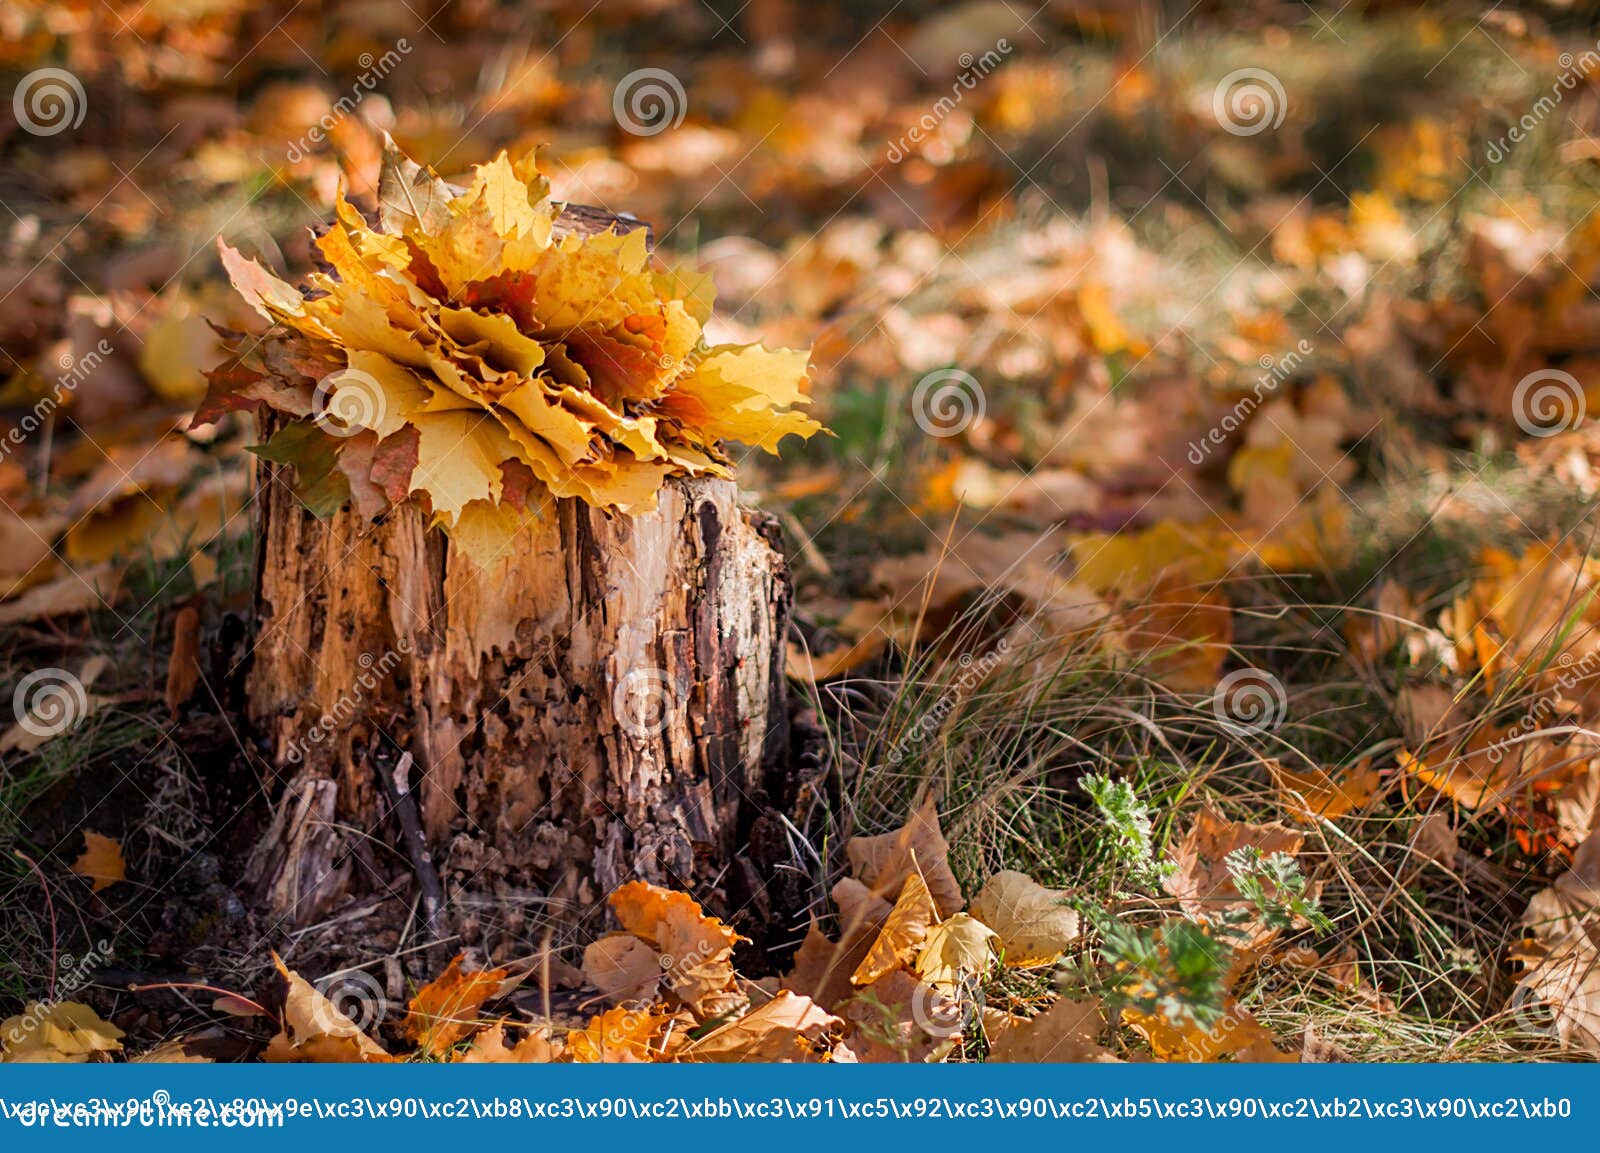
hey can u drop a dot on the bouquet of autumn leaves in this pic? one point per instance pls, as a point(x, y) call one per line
point(466, 355)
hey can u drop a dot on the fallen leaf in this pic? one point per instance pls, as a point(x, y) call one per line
point(622, 967)
point(902, 935)
point(52, 703)
point(1067, 1031)
point(61, 1031)
point(1564, 973)
point(899, 1018)
point(620, 1035)
point(101, 861)
point(1202, 881)
point(1033, 923)
point(1312, 793)
point(955, 951)
point(183, 667)
point(171, 1053)
point(489, 1048)
point(696, 950)
point(446, 1008)
point(883, 862)
point(315, 1030)
point(1314, 1050)
point(1236, 1034)
point(787, 1028)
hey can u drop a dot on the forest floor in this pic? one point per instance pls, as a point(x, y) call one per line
point(1206, 510)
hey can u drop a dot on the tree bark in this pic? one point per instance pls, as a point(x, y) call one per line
point(606, 703)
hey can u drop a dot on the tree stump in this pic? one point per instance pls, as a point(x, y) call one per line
point(601, 706)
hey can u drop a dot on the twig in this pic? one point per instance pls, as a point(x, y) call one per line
point(397, 784)
point(168, 985)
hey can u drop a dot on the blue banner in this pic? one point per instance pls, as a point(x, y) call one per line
point(787, 1106)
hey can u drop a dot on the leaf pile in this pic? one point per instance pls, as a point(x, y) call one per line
point(466, 355)
point(913, 971)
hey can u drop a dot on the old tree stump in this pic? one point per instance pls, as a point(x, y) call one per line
point(603, 706)
point(604, 703)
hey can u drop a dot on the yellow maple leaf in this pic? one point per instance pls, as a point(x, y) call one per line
point(101, 861)
point(465, 317)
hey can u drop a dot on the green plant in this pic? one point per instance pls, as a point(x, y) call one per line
point(1273, 883)
point(1127, 825)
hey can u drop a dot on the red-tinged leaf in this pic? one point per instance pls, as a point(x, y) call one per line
point(393, 462)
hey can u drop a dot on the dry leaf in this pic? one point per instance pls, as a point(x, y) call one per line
point(1564, 973)
point(56, 702)
point(787, 1028)
point(1202, 882)
point(1316, 1051)
point(1327, 793)
point(620, 1035)
point(1033, 923)
point(315, 1030)
point(100, 861)
point(172, 1053)
point(956, 951)
point(183, 667)
point(62, 1031)
point(489, 1048)
point(883, 862)
point(899, 1018)
point(1067, 1031)
point(446, 1009)
point(85, 589)
point(696, 951)
point(1237, 1034)
point(622, 967)
point(902, 934)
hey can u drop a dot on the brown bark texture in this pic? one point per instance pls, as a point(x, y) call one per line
point(605, 703)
